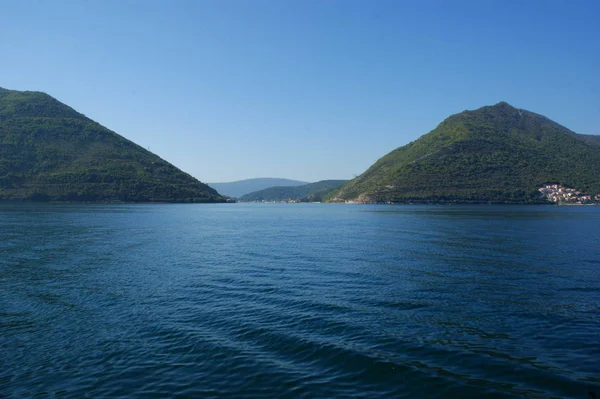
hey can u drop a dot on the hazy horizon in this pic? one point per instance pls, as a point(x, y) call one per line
point(257, 178)
point(307, 91)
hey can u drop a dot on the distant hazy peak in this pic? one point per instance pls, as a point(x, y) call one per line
point(242, 187)
point(254, 179)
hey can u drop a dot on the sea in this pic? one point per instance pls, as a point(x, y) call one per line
point(299, 301)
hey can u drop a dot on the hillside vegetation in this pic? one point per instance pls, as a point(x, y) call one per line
point(313, 192)
point(493, 154)
point(50, 152)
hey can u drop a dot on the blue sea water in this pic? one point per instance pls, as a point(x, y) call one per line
point(299, 301)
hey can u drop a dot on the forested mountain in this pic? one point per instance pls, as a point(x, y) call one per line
point(50, 152)
point(589, 138)
point(313, 192)
point(242, 187)
point(493, 154)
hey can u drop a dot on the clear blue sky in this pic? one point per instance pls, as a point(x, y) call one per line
point(306, 89)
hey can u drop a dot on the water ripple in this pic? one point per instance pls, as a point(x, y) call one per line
point(322, 301)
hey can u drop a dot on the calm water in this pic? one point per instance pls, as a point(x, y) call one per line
point(299, 301)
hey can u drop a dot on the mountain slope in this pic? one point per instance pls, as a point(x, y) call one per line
point(589, 138)
point(242, 187)
point(493, 154)
point(308, 192)
point(50, 152)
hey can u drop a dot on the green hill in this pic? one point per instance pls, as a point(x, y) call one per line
point(50, 152)
point(493, 154)
point(589, 138)
point(312, 192)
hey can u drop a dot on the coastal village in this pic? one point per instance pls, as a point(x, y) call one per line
point(556, 193)
point(567, 196)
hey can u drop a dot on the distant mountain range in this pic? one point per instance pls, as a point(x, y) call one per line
point(50, 152)
point(239, 188)
point(497, 154)
point(312, 192)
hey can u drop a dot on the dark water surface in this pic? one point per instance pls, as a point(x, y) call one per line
point(299, 301)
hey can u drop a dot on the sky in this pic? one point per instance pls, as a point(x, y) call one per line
point(308, 89)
